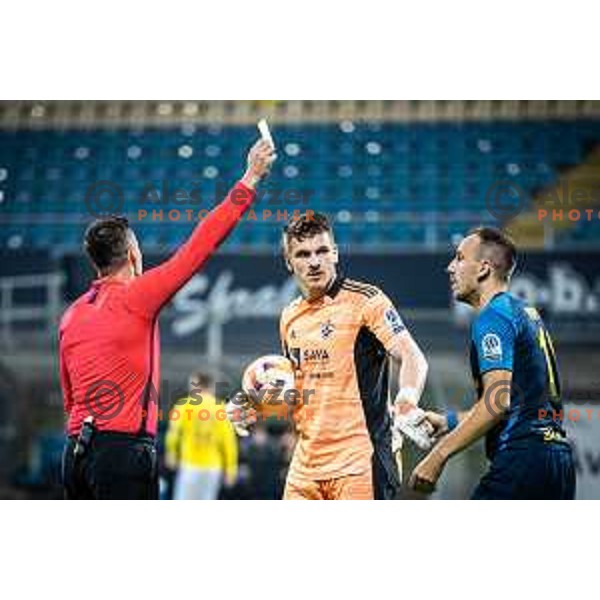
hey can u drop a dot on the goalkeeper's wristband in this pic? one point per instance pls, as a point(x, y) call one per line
point(408, 394)
point(451, 419)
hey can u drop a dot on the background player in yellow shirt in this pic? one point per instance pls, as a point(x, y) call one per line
point(201, 443)
point(339, 334)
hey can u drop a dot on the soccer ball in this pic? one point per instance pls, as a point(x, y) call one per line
point(266, 381)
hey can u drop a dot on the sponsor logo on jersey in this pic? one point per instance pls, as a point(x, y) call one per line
point(315, 355)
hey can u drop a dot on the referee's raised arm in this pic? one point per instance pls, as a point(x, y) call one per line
point(149, 292)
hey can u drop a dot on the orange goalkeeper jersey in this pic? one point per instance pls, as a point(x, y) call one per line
point(338, 345)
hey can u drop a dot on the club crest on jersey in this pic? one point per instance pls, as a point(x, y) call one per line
point(327, 330)
point(393, 320)
point(491, 347)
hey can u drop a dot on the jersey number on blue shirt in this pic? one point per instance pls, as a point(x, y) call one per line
point(545, 343)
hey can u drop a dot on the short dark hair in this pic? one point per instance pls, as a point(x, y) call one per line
point(106, 242)
point(201, 379)
point(306, 226)
point(498, 248)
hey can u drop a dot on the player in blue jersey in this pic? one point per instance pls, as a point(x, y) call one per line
point(518, 407)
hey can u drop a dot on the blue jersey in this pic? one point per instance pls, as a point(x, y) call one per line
point(511, 336)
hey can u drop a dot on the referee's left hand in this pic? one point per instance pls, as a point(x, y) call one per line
point(260, 160)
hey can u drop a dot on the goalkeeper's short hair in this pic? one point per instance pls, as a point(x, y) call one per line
point(305, 226)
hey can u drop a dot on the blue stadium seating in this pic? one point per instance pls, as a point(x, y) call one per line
point(382, 182)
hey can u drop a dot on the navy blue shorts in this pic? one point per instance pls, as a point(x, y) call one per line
point(541, 471)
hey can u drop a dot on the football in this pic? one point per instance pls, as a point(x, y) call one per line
point(266, 381)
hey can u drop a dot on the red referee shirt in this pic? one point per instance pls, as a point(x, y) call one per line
point(108, 338)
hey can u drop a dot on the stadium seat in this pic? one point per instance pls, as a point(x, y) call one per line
point(418, 169)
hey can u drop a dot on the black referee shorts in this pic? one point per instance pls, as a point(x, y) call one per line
point(116, 466)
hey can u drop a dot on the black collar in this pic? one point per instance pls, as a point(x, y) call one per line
point(332, 290)
point(335, 287)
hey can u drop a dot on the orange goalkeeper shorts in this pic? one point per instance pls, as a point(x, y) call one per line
point(347, 487)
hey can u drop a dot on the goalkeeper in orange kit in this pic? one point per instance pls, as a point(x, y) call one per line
point(339, 334)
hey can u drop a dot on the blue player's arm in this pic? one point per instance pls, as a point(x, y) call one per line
point(473, 424)
point(483, 415)
point(493, 381)
point(494, 341)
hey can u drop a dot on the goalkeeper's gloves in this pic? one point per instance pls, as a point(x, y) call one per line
point(241, 413)
point(409, 419)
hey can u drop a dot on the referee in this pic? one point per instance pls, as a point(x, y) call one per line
point(109, 347)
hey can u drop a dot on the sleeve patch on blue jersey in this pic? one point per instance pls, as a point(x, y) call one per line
point(491, 347)
point(393, 321)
